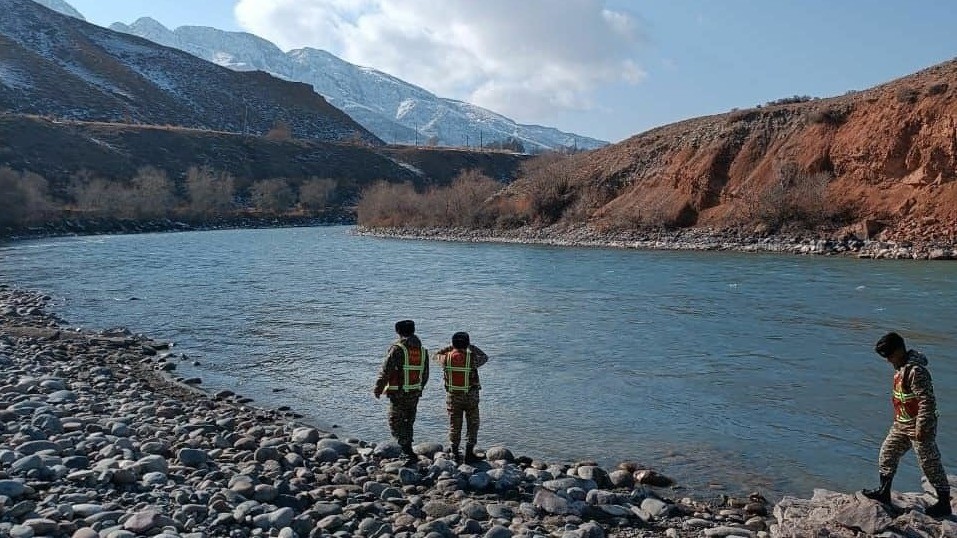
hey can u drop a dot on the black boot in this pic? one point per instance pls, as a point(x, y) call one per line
point(883, 493)
point(456, 455)
point(413, 458)
point(470, 456)
point(942, 508)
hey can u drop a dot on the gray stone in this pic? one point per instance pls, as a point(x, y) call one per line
point(120, 430)
point(438, 509)
point(281, 518)
point(480, 481)
point(591, 530)
point(721, 532)
point(326, 455)
point(387, 450)
point(341, 448)
point(499, 511)
point(427, 449)
point(27, 463)
point(85, 532)
point(331, 523)
point(474, 510)
point(85, 510)
point(267, 453)
point(50, 424)
point(567, 482)
point(153, 463)
point(155, 478)
point(498, 531)
point(656, 507)
point(61, 396)
point(41, 526)
point(192, 457)
point(409, 477)
point(265, 493)
point(552, 503)
point(390, 493)
point(499, 453)
point(142, 521)
point(622, 479)
point(12, 488)
point(21, 531)
point(305, 435)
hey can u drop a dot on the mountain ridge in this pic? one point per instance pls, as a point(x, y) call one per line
point(86, 72)
point(395, 110)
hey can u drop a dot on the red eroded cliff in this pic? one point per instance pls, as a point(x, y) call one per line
point(885, 158)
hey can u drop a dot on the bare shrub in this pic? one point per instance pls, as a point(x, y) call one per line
point(24, 198)
point(314, 193)
point(937, 89)
point(97, 197)
point(907, 95)
point(387, 204)
point(793, 198)
point(151, 194)
point(549, 181)
point(466, 196)
point(794, 99)
point(272, 195)
point(210, 193)
point(280, 132)
point(832, 115)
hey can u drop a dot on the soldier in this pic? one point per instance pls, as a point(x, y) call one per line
point(404, 374)
point(460, 363)
point(915, 424)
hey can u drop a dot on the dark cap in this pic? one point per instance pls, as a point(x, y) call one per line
point(460, 340)
point(405, 327)
point(888, 344)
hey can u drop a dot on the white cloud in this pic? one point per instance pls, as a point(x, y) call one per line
point(519, 58)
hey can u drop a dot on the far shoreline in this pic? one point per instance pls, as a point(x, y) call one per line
point(689, 239)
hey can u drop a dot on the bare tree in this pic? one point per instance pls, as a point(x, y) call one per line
point(151, 194)
point(210, 192)
point(23, 198)
point(272, 195)
point(314, 194)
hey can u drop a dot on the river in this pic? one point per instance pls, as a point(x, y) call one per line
point(729, 372)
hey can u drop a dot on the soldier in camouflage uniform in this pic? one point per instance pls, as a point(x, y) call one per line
point(915, 424)
point(404, 374)
point(460, 363)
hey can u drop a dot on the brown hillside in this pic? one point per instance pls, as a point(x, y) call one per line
point(888, 155)
point(57, 150)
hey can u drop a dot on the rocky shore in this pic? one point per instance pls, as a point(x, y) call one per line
point(100, 439)
point(695, 239)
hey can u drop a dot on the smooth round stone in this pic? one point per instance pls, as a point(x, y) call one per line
point(32, 447)
point(390, 493)
point(656, 507)
point(85, 510)
point(281, 518)
point(22, 531)
point(12, 488)
point(305, 435)
point(326, 455)
point(154, 478)
point(499, 453)
point(622, 479)
point(155, 447)
point(438, 509)
point(265, 493)
point(53, 384)
point(61, 396)
point(267, 453)
point(499, 511)
point(85, 532)
point(341, 448)
point(427, 449)
point(408, 476)
point(50, 424)
point(153, 463)
point(41, 526)
point(387, 450)
point(192, 457)
point(474, 510)
point(27, 463)
point(120, 430)
point(498, 531)
point(76, 462)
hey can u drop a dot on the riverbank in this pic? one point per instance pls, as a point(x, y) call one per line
point(689, 239)
point(101, 439)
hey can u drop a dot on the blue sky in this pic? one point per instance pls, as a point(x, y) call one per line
point(607, 69)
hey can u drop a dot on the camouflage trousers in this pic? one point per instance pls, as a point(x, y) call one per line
point(402, 408)
point(459, 404)
point(899, 440)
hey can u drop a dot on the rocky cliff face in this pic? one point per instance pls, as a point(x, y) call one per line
point(886, 159)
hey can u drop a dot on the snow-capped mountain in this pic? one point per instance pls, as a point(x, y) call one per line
point(392, 109)
point(55, 65)
point(61, 7)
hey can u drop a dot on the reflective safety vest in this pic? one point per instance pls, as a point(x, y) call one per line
point(458, 371)
point(410, 378)
point(906, 403)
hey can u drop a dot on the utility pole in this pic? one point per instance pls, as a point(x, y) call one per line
point(481, 140)
point(416, 133)
point(466, 141)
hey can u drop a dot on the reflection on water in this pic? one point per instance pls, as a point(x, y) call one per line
point(749, 371)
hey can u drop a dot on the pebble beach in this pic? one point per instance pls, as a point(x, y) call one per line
point(101, 438)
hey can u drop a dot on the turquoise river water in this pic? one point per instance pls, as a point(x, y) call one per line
point(726, 371)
